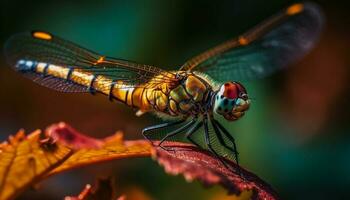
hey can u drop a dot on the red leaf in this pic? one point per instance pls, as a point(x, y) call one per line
point(70, 137)
point(196, 164)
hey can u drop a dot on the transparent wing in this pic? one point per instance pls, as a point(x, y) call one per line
point(272, 45)
point(43, 47)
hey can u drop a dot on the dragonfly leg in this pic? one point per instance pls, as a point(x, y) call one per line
point(177, 131)
point(217, 126)
point(159, 126)
point(208, 143)
point(193, 130)
point(223, 130)
point(220, 138)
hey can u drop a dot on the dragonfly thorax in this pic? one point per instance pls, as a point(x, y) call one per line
point(190, 97)
point(231, 101)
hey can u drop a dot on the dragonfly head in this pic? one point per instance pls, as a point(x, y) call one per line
point(231, 101)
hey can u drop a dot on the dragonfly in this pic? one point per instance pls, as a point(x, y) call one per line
point(191, 99)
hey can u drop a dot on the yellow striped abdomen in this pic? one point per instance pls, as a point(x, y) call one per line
point(146, 97)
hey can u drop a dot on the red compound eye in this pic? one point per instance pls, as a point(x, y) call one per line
point(232, 90)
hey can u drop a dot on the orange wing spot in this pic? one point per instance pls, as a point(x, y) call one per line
point(295, 9)
point(100, 60)
point(243, 41)
point(42, 35)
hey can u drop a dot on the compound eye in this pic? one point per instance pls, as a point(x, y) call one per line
point(243, 96)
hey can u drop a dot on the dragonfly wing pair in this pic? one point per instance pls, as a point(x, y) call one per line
point(274, 44)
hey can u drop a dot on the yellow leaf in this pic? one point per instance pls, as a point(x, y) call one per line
point(25, 159)
point(107, 152)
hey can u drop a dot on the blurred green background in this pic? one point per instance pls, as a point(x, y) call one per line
point(296, 135)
